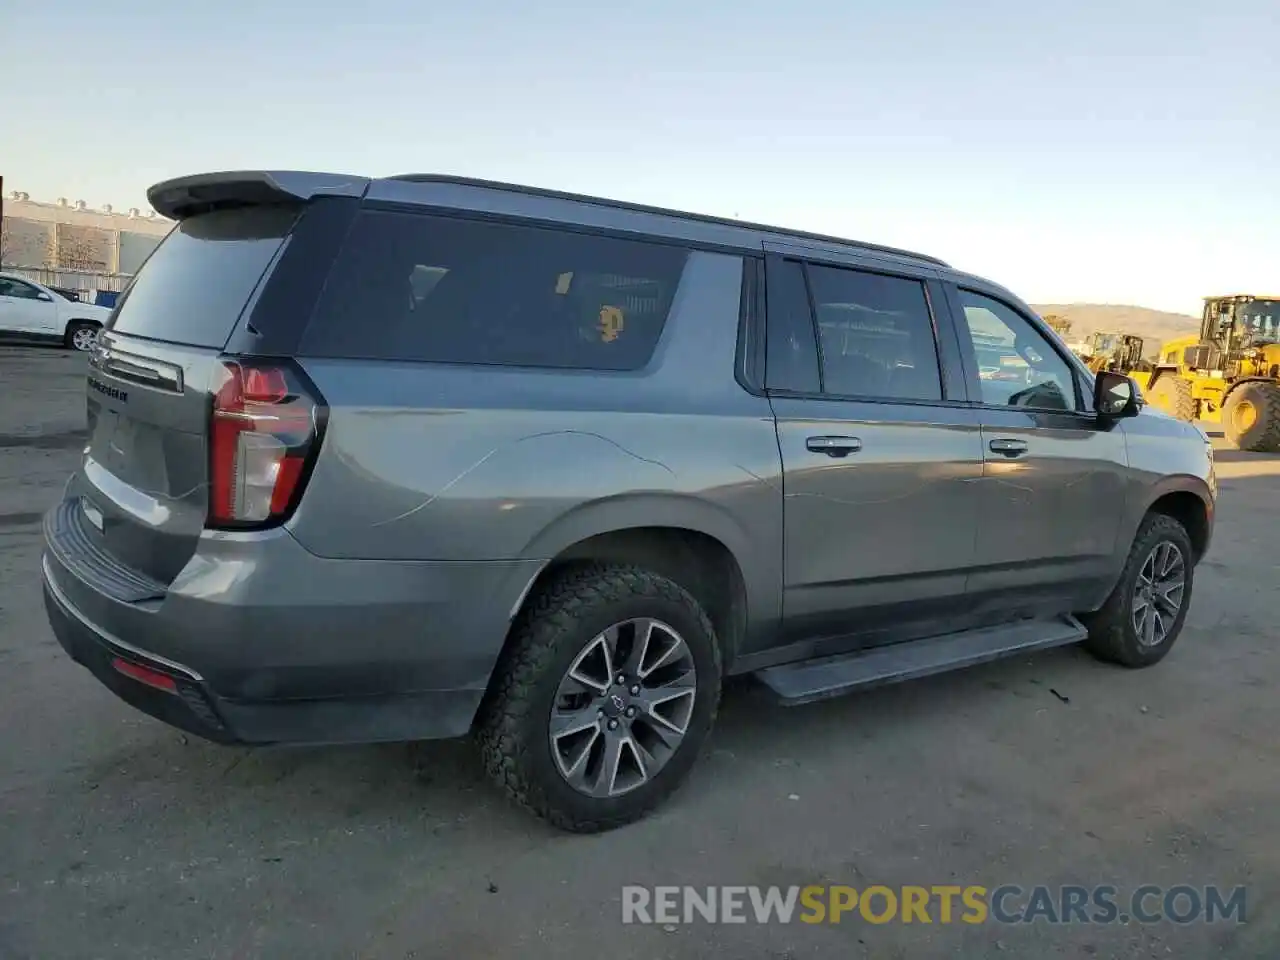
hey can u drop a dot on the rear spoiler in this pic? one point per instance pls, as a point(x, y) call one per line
point(187, 196)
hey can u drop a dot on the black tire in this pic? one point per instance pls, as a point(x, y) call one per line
point(1112, 636)
point(555, 626)
point(1251, 417)
point(1172, 394)
point(70, 340)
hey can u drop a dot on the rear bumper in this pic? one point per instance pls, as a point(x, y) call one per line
point(189, 707)
point(266, 643)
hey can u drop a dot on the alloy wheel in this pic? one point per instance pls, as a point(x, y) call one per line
point(1159, 592)
point(84, 338)
point(623, 707)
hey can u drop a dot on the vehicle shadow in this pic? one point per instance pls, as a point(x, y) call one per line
point(280, 793)
point(439, 787)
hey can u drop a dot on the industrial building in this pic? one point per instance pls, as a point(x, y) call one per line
point(72, 245)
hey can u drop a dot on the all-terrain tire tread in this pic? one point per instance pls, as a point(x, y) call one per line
point(1181, 403)
point(1107, 640)
point(1266, 396)
point(550, 613)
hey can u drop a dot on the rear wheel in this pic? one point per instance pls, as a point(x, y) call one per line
point(1142, 618)
point(600, 705)
point(1251, 417)
point(1172, 394)
point(82, 335)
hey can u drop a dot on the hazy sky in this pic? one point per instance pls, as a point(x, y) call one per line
point(1126, 151)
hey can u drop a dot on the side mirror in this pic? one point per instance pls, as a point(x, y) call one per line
point(1115, 395)
point(44, 296)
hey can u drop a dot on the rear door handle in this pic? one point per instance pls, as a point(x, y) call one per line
point(834, 446)
point(1010, 448)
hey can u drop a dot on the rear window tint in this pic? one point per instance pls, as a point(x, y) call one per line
point(425, 288)
point(193, 288)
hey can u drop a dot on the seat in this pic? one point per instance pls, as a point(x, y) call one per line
point(853, 374)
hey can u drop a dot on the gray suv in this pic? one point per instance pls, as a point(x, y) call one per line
point(425, 457)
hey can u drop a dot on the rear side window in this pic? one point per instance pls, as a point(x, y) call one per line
point(425, 288)
point(193, 288)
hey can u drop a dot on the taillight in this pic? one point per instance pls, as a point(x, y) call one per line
point(265, 430)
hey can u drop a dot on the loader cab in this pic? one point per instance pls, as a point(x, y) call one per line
point(1240, 321)
point(1117, 352)
point(1105, 343)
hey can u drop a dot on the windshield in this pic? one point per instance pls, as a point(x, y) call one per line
point(1259, 320)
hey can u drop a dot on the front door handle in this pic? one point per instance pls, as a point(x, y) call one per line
point(834, 446)
point(1010, 448)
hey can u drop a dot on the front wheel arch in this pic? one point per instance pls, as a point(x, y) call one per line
point(1190, 510)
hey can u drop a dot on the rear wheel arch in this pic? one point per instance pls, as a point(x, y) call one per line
point(756, 554)
point(698, 561)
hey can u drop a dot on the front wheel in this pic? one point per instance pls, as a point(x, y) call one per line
point(602, 701)
point(82, 335)
point(1251, 416)
point(1142, 618)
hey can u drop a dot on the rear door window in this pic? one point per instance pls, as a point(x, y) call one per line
point(194, 286)
point(427, 288)
point(876, 334)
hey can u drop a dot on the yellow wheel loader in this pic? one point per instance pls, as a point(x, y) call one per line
point(1229, 373)
point(1117, 352)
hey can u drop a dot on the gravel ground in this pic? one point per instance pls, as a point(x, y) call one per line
point(120, 837)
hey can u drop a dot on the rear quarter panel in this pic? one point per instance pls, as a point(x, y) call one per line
point(464, 463)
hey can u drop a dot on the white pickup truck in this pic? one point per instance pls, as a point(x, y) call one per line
point(32, 311)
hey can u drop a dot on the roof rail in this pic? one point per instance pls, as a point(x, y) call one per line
point(662, 211)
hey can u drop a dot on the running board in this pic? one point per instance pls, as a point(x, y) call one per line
point(810, 680)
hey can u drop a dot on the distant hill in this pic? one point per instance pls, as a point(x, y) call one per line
point(1154, 326)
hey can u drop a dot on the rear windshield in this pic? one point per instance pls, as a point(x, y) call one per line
point(193, 287)
point(427, 288)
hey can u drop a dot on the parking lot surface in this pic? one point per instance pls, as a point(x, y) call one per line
point(120, 837)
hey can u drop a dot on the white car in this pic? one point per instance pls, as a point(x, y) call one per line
point(32, 311)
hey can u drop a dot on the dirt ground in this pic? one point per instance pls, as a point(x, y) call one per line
point(120, 837)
